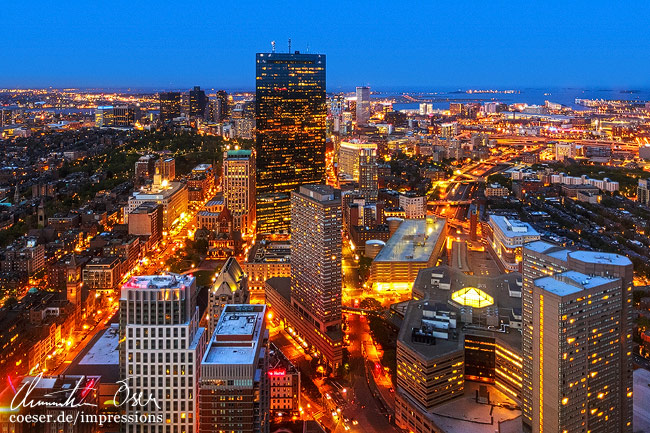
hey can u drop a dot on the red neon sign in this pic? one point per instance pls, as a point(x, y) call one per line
point(278, 372)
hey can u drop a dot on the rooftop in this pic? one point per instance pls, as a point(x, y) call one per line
point(414, 240)
point(157, 282)
point(270, 251)
point(570, 282)
point(600, 258)
point(158, 192)
point(236, 338)
point(512, 227)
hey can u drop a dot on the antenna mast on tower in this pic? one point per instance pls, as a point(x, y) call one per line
point(273, 46)
point(289, 45)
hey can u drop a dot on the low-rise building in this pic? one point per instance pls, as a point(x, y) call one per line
point(507, 236)
point(267, 259)
point(415, 245)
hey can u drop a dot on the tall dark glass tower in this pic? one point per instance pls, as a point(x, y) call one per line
point(290, 113)
point(197, 102)
point(170, 106)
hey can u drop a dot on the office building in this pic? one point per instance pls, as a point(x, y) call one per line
point(104, 116)
point(238, 182)
point(147, 220)
point(229, 287)
point(166, 169)
point(125, 115)
point(577, 340)
point(102, 273)
point(198, 102)
point(413, 245)
point(267, 259)
point(430, 364)
point(200, 183)
point(234, 382)
point(368, 175)
point(415, 206)
point(316, 255)
point(290, 120)
point(172, 196)
point(363, 105)
point(310, 301)
point(507, 236)
point(643, 192)
point(161, 347)
point(145, 168)
point(170, 106)
point(224, 107)
point(350, 157)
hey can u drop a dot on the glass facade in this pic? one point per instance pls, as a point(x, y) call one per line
point(170, 106)
point(290, 119)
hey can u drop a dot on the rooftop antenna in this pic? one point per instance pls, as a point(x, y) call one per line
point(307, 48)
point(289, 45)
point(273, 46)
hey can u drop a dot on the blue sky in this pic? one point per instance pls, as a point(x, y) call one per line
point(408, 44)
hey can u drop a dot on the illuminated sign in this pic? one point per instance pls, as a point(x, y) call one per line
point(277, 373)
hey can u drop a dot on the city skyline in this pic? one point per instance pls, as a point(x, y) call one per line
point(366, 217)
point(428, 46)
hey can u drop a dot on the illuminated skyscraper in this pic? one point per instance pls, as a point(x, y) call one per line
point(161, 346)
point(363, 105)
point(316, 257)
point(223, 111)
point(198, 102)
point(239, 188)
point(291, 113)
point(170, 106)
point(577, 369)
point(368, 175)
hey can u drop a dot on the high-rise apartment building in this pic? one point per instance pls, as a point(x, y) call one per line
point(316, 244)
point(198, 102)
point(350, 156)
point(234, 383)
point(643, 192)
point(368, 175)
point(290, 121)
point(577, 336)
point(363, 105)
point(161, 347)
point(239, 188)
point(170, 106)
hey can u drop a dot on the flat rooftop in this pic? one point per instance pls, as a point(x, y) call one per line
point(601, 258)
point(155, 282)
point(237, 335)
point(100, 357)
point(105, 351)
point(466, 415)
point(570, 282)
point(499, 288)
point(511, 227)
point(412, 320)
point(414, 240)
point(158, 192)
point(230, 355)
